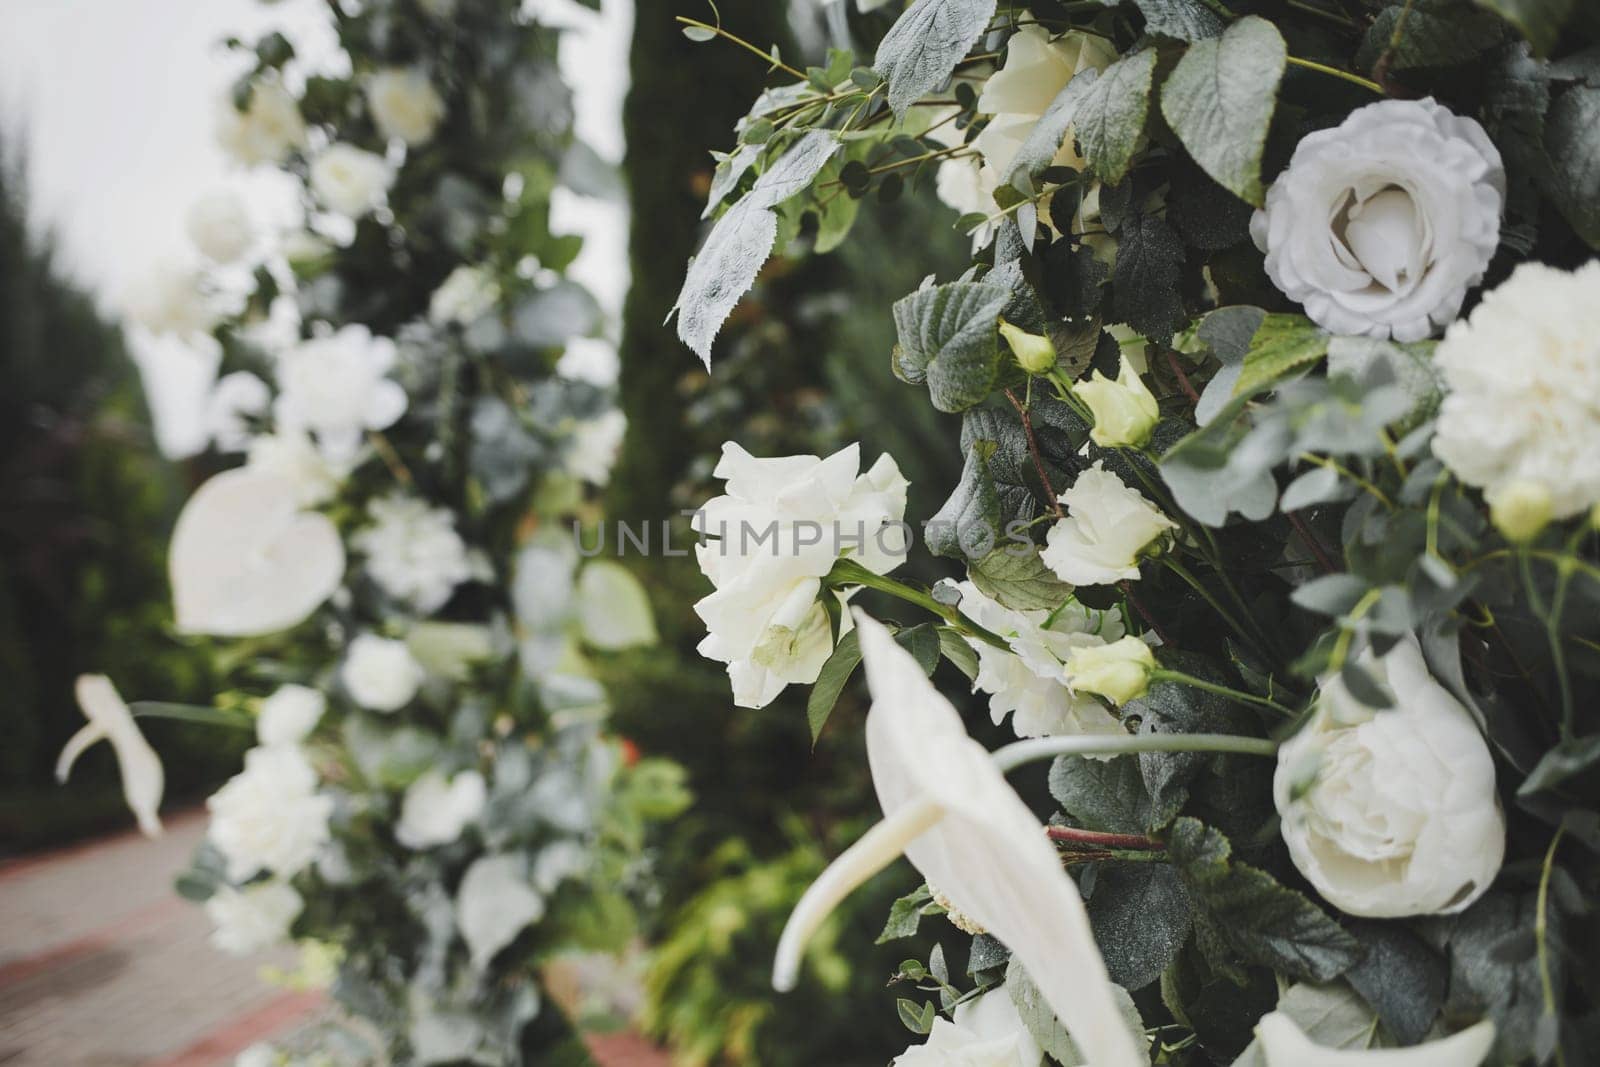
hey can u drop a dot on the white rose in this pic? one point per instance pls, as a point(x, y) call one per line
point(289, 715)
point(380, 674)
point(290, 456)
point(266, 130)
point(592, 449)
point(1119, 671)
point(779, 529)
point(1391, 813)
point(336, 387)
point(1107, 529)
point(405, 105)
point(1523, 381)
point(413, 551)
point(350, 181)
point(219, 225)
point(436, 810)
point(252, 919)
point(986, 1032)
point(465, 295)
point(270, 816)
point(235, 399)
point(171, 298)
point(1381, 225)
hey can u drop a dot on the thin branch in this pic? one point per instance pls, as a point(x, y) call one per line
point(1033, 450)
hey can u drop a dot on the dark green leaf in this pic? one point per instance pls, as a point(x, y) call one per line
point(905, 915)
point(831, 682)
point(1040, 147)
point(954, 648)
point(1432, 34)
point(1567, 760)
point(1109, 795)
point(1282, 345)
point(1145, 279)
point(1140, 916)
point(922, 641)
point(1540, 21)
point(157, 709)
point(948, 338)
point(1015, 576)
point(1184, 20)
point(968, 524)
point(1572, 136)
point(1401, 977)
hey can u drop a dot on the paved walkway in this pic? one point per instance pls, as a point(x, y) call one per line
point(103, 965)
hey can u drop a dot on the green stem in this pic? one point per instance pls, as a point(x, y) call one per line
point(1335, 72)
point(1014, 755)
point(1164, 675)
point(742, 43)
point(1541, 937)
point(1251, 633)
point(849, 572)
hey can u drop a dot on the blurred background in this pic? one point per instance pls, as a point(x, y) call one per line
point(106, 111)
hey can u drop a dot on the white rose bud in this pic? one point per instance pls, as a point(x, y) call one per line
point(219, 225)
point(1381, 225)
point(1521, 510)
point(380, 674)
point(1120, 671)
point(405, 105)
point(289, 715)
point(1125, 411)
point(1391, 813)
point(1108, 528)
point(1034, 353)
point(350, 181)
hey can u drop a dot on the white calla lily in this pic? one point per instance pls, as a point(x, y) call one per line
point(948, 808)
point(110, 720)
point(495, 902)
point(1284, 1045)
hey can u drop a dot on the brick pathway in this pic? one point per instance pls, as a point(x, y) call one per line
point(103, 965)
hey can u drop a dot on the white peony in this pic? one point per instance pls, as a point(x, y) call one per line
point(245, 560)
point(436, 809)
point(235, 399)
point(288, 716)
point(219, 225)
point(380, 673)
point(1107, 529)
point(143, 779)
point(986, 1032)
point(350, 181)
point(1391, 813)
point(266, 130)
point(413, 551)
point(1029, 682)
point(252, 919)
point(336, 387)
point(1381, 225)
point(171, 298)
point(466, 294)
point(592, 449)
point(1523, 380)
point(404, 105)
point(291, 456)
point(778, 530)
point(269, 816)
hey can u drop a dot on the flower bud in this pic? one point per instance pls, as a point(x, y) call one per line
point(1125, 412)
point(1035, 353)
point(1120, 671)
point(1520, 510)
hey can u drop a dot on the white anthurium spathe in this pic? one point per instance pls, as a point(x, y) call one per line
point(987, 1031)
point(245, 560)
point(613, 610)
point(110, 720)
point(437, 809)
point(1283, 1044)
point(948, 808)
point(495, 903)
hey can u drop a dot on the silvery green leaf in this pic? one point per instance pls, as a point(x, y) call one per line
point(967, 525)
point(1332, 1016)
point(1111, 116)
point(922, 48)
point(1140, 913)
point(948, 338)
point(495, 902)
point(1185, 20)
point(549, 316)
point(613, 610)
point(1227, 332)
point(726, 177)
point(1046, 1029)
point(542, 589)
point(1014, 575)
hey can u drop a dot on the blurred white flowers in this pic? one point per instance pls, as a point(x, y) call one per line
point(288, 716)
point(592, 449)
point(290, 455)
point(219, 226)
point(254, 918)
point(336, 387)
point(778, 531)
point(494, 904)
point(350, 181)
point(986, 1032)
point(235, 399)
point(380, 673)
point(466, 294)
point(245, 560)
point(590, 359)
point(1381, 225)
point(172, 298)
point(269, 816)
point(1523, 381)
point(436, 809)
point(404, 104)
point(1284, 1045)
point(110, 720)
point(413, 551)
point(1107, 529)
point(1391, 813)
point(266, 130)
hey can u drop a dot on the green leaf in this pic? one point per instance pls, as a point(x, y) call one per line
point(918, 1018)
point(922, 641)
point(1262, 920)
point(1109, 795)
point(1568, 759)
point(1140, 915)
point(1019, 579)
point(954, 648)
point(1540, 21)
point(905, 914)
point(948, 338)
point(1220, 98)
point(1112, 114)
point(1332, 1016)
point(1282, 344)
point(1144, 291)
point(1331, 594)
point(1169, 707)
point(1572, 137)
point(613, 609)
point(1432, 34)
point(1401, 977)
point(1184, 20)
point(831, 681)
point(1046, 1029)
point(922, 48)
point(158, 709)
point(967, 525)
point(1226, 466)
point(1484, 982)
point(1039, 149)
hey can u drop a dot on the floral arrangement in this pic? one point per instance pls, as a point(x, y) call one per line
point(422, 404)
point(1276, 370)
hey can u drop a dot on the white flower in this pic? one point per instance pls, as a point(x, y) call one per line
point(245, 560)
point(593, 446)
point(170, 298)
point(466, 294)
point(380, 673)
point(1120, 671)
point(350, 181)
point(1380, 225)
point(1029, 683)
point(949, 809)
point(780, 528)
point(267, 130)
point(1284, 1045)
point(336, 388)
point(288, 716)
point(589, 359)
point(1391, 813)
point(177, 374)
point(252, 919)
point(219, 225)
point(290, 456)
point(405, 105)
point(1107, 529)
point(1125, 411)
point(986, 1032)
point(110, 720)
point(234, 399)
point(269, 816)
point(413, 551)
point(1523, 380)
point(494, 904)
point(558, 862)
point(436, 809)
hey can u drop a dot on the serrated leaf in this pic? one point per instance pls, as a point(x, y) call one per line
point(1219, 100)
point(1401, 977)
point(835, 673)
point(1140, 916)
point(922, 48)
point(726, 177)
point(1184, 20)
point(948, 338)
point(1018, 579)
point(1144, 287)
point(1282, 344)
point(1111, 115)
point(922, 641)
point(1430, 35)
point(967, 525)
point(1108, 795)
